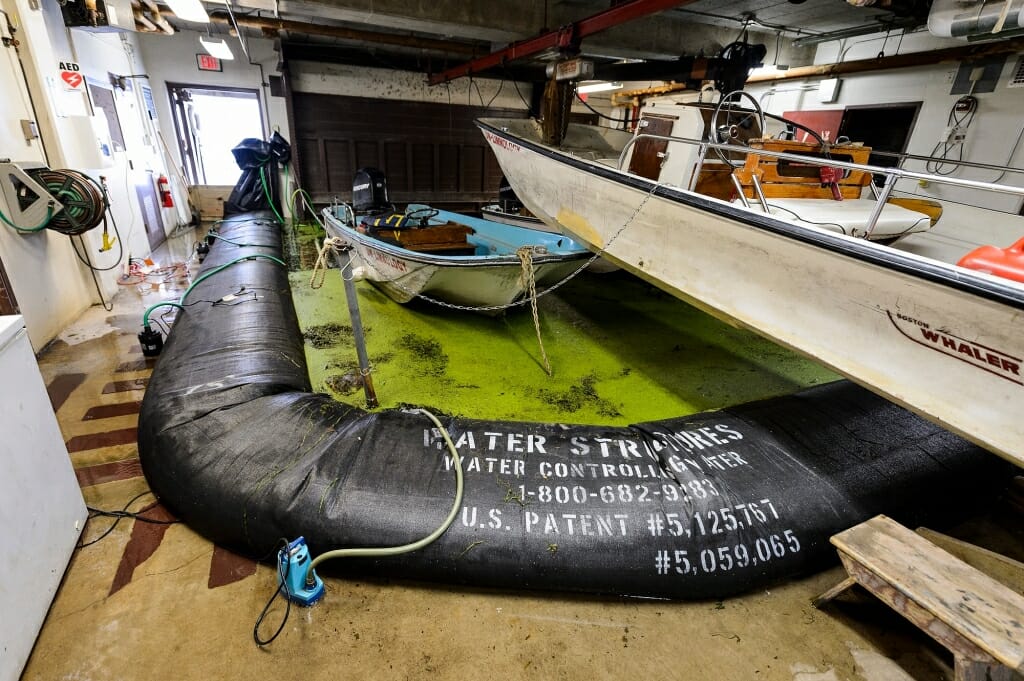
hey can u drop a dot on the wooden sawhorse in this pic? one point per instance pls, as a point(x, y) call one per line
point(973, 616)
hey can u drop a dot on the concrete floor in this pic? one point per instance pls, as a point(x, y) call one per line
point(160, 602)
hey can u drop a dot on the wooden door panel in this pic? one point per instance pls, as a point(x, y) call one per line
point(648, 154)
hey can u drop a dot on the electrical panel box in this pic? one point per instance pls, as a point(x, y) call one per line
point(109, 15)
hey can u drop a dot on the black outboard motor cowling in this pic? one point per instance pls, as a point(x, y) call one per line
point(370, 192)
point(507, 198)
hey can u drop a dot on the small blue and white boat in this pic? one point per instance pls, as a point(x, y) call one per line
point(450, 257)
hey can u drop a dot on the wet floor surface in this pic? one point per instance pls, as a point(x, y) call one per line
point(157, 601)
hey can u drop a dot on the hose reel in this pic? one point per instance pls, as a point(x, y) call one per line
point(37, 197)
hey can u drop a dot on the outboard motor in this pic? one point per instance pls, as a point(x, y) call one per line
point(507, 198)
point(370, 192)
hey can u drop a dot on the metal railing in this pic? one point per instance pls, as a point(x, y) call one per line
point(892, 175)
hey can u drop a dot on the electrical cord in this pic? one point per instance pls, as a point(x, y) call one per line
point(180, 304)
point(841, 227)
point(216, 235)
point(361, 552)
point(119, 516)
point(221, 268)
point(95, 279)
point(501, 86)
point(515, 84)
point(154, 306)
point(956, 122)
point(282, 586)
point(595, 111)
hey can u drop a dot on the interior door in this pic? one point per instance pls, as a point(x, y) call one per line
point(149, 202)
point(186, 138)
point(649, 154)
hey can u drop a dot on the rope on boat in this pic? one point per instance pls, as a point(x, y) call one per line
point(525, 254)
point(316, 280)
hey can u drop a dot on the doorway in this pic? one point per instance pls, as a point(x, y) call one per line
point(883, 128)
point(209, 122)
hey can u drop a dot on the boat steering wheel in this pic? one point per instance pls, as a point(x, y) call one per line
point(728, 131)
point(423, 215)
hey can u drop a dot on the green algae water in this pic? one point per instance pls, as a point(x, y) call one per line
point(621, 350)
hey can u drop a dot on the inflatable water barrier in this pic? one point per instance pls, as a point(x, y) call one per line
point(234, 441)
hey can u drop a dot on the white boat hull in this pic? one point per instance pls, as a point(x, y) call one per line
point(896, 323)
point(478, 286)
point(483, 283)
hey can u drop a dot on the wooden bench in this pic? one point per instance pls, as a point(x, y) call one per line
point(447, 239)
point(975, 617)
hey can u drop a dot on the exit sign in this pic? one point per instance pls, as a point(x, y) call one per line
point(208, 63)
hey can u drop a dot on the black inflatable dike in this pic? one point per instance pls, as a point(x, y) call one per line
point(702, 506)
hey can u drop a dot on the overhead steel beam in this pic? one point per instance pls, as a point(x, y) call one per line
point(564, 37)
point(268, 24)
point(898, 61)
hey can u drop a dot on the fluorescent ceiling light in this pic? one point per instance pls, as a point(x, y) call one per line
point(598, 86)
point(216, 48)
point(189, 10)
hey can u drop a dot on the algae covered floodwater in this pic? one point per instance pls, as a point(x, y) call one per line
point(621, 351)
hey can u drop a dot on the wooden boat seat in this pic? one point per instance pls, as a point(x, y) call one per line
point(978, 619)
point(788, 179)
point(447, 239)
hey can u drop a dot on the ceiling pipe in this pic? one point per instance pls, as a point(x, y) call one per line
point(155, 20)
point(898, 61)
point(269, 24)
point(143, 24)
point(567, 36)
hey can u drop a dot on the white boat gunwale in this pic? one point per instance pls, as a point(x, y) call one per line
point(961, 279)
point(347, 232)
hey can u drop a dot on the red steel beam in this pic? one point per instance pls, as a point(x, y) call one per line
point(562, 37)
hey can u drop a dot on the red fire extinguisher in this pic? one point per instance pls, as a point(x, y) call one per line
point(164, 187)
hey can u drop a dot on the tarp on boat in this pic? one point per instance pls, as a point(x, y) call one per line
point(234, 441)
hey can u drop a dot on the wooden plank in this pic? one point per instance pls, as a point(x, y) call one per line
point(921, 580)
point(933, 209)
point(973, 670)
point(945, 635)
point(800, 191)
point(1004, 570)
point(787, 179)
point(209, 200)
point(833, 592)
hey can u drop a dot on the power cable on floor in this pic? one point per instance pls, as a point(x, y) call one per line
point(282, 588)
point(119, 516)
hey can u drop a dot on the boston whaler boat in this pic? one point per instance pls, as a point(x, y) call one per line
point(448, 257)
point(774, 235)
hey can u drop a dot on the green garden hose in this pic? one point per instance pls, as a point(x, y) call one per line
point(416, 545)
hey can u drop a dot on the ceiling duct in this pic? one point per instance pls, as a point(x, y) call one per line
point(978, 19)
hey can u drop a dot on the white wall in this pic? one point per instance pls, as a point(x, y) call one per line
point(99, 55)
point(47, 280)
point(363, 81)
point(51, 286)
point(172, 59)
point(996, 125)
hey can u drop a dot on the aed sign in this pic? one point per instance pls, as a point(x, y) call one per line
point(71, 75)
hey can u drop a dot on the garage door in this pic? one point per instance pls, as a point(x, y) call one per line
point(431, 153)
